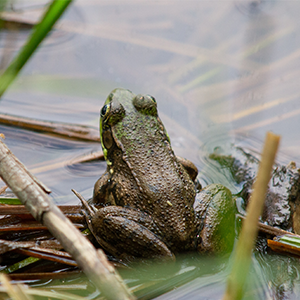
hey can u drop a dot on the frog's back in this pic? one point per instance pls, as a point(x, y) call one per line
point(163, 187)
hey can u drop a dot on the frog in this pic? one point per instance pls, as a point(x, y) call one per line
point(148, 203)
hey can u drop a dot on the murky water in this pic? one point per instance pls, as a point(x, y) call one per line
point(221, 71)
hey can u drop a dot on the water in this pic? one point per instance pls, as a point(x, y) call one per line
point(222, 72)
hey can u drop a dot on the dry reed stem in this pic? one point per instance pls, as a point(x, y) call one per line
point(242, 259)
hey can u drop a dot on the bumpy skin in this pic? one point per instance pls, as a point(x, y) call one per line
point(214, 208)
point(147, 192)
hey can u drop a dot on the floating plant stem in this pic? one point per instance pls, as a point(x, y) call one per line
point(65, 130)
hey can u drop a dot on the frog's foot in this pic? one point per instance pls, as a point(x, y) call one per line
point(88, 211)
point(129, 232)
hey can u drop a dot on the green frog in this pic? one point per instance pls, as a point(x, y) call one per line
point(150, 204)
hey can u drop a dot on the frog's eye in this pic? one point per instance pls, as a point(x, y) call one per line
point(145, 104)
point(112, 113)
point(105, 110)
point(152, 98)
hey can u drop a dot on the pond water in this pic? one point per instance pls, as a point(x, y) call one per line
point(222, 72)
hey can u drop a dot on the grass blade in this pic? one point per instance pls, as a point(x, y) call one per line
point(40, 31)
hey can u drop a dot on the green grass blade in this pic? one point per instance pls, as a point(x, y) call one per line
point(10, 201)
point(21, 264)
point(40, 31)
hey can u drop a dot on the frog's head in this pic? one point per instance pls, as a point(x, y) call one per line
point(123, 117)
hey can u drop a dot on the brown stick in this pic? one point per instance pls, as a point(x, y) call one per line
point(12, 245)
point(249, 230)
point(73, 131)
point(41, 276)
point(52, 255)
point(29, 227)
point(31, 194)
point(7, 209)
point(264, 228)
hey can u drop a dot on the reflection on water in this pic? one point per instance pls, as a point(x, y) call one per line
point(50, 159)
point(222, 72)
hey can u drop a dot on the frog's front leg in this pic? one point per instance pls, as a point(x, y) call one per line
point(101, 192)
point(126, 232)
point(189, 167)
point(191, 170)
point(215, 216)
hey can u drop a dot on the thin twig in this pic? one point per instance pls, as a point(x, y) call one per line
point(42, 275)
point(21, 209)
point(30, 226)
point(12, 245)
point(267, 229)
point(48, 254)
point(90, 208)
point(74, 131)
point(92, 262)
point(242, 259)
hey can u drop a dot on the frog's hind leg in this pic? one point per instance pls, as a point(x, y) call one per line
point(128, 232)
point(215, 211)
